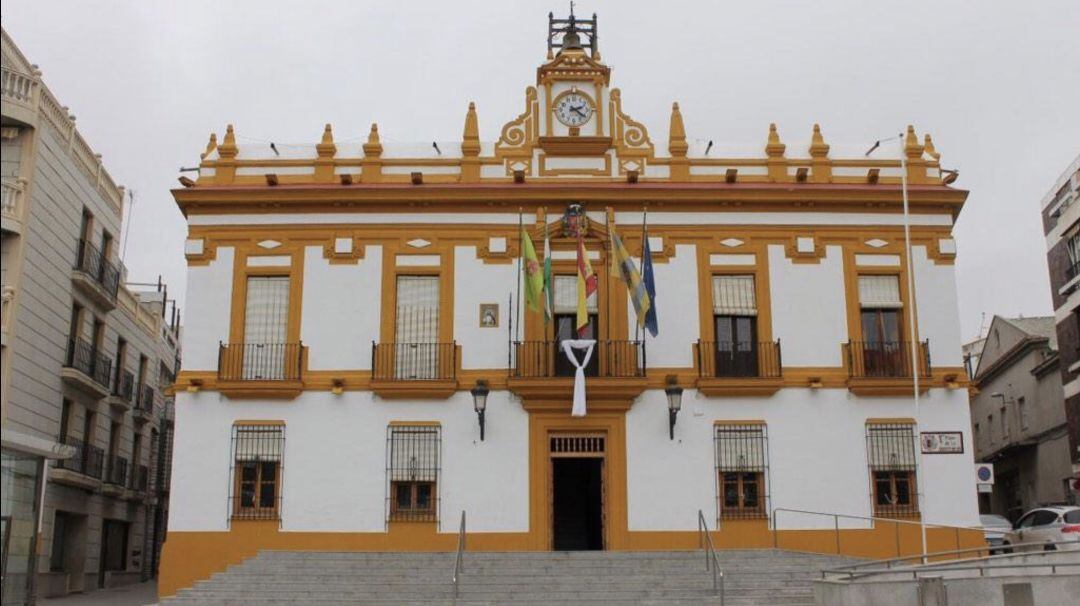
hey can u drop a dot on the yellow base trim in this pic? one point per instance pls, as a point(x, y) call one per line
point(188, 557)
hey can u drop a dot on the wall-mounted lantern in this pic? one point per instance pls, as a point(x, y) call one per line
point(674, 402)
point(480, 393)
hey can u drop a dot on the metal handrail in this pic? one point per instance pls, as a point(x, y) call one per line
point(460, 552)
point(712, 561)
point(952, 564)
point(896, 522)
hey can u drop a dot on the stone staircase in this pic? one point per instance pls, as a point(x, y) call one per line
point(751, 578)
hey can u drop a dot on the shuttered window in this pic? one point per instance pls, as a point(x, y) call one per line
point(890, 451)
point(566, 296)
point(412, 472)
point(734, 296)
point(416, 328)
point(267, 310)
point(257, 466)
point(742, 466)
point(879, 292)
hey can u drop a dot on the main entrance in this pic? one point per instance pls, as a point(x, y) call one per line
point(577, 491)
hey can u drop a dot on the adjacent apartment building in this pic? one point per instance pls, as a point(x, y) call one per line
point(1061, 224)
point(1018, 416)
point(87, 359)
point(359, 369)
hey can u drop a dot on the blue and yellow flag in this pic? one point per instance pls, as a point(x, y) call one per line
point(622, 267)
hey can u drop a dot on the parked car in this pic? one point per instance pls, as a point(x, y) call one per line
point(995, 529)
point(1047, 525)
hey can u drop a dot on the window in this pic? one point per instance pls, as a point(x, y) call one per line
point(56, 557)
point(882, 352)
point(257, 467)
point(65, 419)
point(413, 472)
point(565, 312)
point(742, 466)
point(416, 328)
point(735, 326)
point(1021, 408)
point(266, 316)
point(891, 456)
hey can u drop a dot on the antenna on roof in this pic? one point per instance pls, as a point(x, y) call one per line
point(436, 146)
point(708, 147)
point(274, 147)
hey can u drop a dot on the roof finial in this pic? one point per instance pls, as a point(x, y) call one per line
point(911, 143)
point(774, 148)
point(373, 147)
point(228, 148)
point(326, 147)
point(928, 145)
point(677, 133)
point(210, 145)
point(470, 140)
point(818, 147)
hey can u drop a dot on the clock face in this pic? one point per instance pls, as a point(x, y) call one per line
point(574, 109)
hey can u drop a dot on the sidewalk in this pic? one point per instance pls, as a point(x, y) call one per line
point(139, 594)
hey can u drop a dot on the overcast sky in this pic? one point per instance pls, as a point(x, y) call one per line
point(996, 83)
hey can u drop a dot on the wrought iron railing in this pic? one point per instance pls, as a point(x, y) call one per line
point(543, 359)
point(92, 261)
point(1072, 271)
point(117, 473)
point(887, 359)
point(739, 359)
point(124, 386)
point(84, 357)
point(145, 401)
point(413, 361)
point(260, 361)
point(87, 459)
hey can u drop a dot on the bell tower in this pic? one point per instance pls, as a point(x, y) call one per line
point(573, 86)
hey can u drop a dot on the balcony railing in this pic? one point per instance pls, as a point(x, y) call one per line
point(92, 262)
point(739, 359)
point(1072, 271)
point(413, 361)
point(117, 474)
point(11, 200)
point(124, 386)
point(140, 478)
point(886, 359)
point(85, 358)
point(88, 459)
point(543, 359)
point(145, 401)
point(17, 87)
point(260, 361)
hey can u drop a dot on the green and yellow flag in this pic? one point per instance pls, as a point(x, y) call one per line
point(534, 274)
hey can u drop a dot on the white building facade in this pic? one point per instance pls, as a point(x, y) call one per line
point(347, 304)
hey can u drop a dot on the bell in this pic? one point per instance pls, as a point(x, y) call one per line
point(571, 40)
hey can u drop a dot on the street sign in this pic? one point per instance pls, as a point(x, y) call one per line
point(942, 442)
point(984, 473)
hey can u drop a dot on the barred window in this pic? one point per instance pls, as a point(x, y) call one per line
point(257, 471)
point(742, 469)
point(412, 472)
point(890, 449)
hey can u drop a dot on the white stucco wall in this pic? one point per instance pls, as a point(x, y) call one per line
point(808, 307)
point(677, 313)
point(474, 283)
point(341, 310)
point(937, 309)
point(209, 304)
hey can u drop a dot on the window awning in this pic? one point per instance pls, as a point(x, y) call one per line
point(734, 296)
point(880, 292)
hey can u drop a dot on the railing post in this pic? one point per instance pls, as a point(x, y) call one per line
point(896, 526)
point(373, 348)
point(775, 529)
point(836, 525)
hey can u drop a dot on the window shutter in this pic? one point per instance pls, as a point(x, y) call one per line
point(880, 292)
point(267, 309)
point(417, 317)
point(566, 296)
point(891, 447)
point(734, 296)
point(414, 453)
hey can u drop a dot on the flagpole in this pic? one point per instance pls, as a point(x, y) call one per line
point(520, 276)
point(644, 236)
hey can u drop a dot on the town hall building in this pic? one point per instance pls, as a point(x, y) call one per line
point(360, 367)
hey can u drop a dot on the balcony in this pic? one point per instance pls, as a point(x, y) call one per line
point(83, 470)
point(12, 201)
point(738, 368)
point(261, 370)
point(140, 479)
point(615, 373)
point(144, 404)
point(116, 476)
point(886, 367)
point(95, 276)
point(7, 295)
point(19, 95)
point(86, 369)
point(123, 392)
point(414, 370)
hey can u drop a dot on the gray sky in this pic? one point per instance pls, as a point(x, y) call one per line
point(995, 82)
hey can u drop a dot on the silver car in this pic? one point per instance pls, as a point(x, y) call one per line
point(1047, 525)
point(995, 529)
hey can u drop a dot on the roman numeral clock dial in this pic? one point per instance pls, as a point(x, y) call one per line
point(574, 109)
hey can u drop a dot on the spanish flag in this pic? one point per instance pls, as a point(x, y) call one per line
point(586, 286)
point(623, 268)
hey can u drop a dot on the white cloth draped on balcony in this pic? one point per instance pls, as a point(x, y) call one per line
point(568, 346)
point(734, 296)
point(879, 292)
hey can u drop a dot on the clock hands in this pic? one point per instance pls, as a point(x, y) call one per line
point(577, 110)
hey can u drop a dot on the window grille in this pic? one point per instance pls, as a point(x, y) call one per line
point(566, 296)
point(576, 445)
point(879, 292)
point(890, 449)
point(734, 296)
point(412, 472)
point(742, 470)
point(255, 486)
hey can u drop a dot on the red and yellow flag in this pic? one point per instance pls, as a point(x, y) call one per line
point(586, 286)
